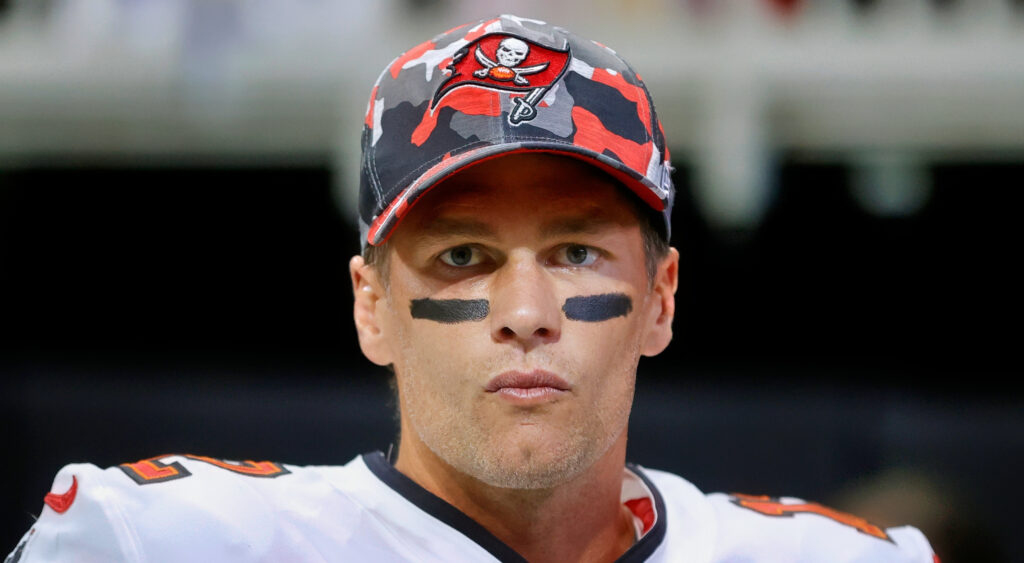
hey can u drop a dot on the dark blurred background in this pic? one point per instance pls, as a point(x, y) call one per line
point(176, 185)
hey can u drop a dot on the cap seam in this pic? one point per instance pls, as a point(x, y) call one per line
point(377, 184)
point(371, 165)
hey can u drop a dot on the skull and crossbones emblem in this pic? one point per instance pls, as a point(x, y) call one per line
point(510, 53)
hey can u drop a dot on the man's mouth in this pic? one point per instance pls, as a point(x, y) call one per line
point(528, 387)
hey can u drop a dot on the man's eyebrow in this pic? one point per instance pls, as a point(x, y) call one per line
point(440, 227)
point(584, 224)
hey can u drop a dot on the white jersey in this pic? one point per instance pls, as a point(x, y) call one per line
point(193, 508)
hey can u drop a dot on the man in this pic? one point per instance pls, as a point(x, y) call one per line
point(515, 204)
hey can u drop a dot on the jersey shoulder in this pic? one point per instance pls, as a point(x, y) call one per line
point(145, 510)
point(790, 529)
point(719, 527)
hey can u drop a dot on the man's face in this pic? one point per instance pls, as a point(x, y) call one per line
point(516, 309)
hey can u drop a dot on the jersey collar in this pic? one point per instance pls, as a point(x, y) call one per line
point(639, 494)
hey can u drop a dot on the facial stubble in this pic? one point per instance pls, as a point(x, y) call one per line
point(452, 417)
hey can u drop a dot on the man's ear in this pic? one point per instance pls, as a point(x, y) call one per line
point(369, 310)
point(664, 294)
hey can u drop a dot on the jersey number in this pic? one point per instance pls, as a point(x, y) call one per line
point(152, 470)
point(770, 506)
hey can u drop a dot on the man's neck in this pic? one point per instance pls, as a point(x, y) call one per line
point(580, 520)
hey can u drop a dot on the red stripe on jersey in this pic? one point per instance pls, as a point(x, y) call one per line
point(642, 509)
point(62, 502)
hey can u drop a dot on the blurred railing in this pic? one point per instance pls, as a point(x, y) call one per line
point(885, 86)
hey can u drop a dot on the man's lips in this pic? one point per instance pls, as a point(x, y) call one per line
point(532, 385)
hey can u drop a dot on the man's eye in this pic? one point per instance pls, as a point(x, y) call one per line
point(577, 255)
point(461, 256)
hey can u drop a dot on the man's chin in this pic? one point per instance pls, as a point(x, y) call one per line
point(530, 467)
point(527, 477)
point(520, 456)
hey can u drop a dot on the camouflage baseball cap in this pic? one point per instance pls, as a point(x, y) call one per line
point(505, 85)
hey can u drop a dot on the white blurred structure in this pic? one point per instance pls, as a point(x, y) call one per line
point(170, 82)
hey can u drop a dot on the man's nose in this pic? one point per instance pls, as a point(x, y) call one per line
point(524, 307)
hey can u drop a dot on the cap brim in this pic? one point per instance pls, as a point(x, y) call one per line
point(385, 223)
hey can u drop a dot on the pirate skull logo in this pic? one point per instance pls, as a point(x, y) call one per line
point(510, 53)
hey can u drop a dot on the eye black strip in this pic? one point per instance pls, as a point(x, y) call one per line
point(450, 311)
point(596, 308)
